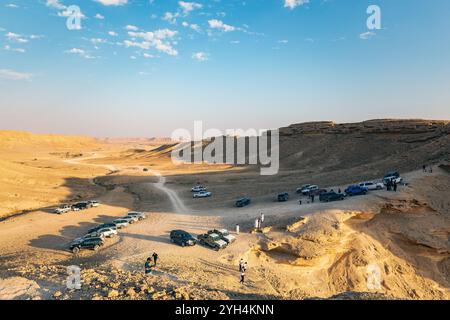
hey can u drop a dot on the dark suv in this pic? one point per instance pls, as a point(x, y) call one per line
point(182, 238)
point(282, 197)
point(88, 243)
point(81, 206)
point(331, 196)
point(242, 202)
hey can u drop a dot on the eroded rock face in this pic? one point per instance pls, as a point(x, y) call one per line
point(371, 126)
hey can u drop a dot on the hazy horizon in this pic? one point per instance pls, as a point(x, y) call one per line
point(146, 68)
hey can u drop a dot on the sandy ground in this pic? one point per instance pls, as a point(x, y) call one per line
point(317, 250)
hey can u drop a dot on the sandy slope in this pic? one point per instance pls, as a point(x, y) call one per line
point(313, 250)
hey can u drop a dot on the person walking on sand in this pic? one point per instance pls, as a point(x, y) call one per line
point(242, 269)
point(312, 198)
point(148, 267)
point(395, 186)
point(237, 229)
point(262, 217)
point(155, 257)
point(424, 168)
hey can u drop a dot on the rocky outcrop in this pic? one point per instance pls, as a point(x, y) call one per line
point(370, 127)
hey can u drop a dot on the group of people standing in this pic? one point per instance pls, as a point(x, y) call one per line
point(148, 264)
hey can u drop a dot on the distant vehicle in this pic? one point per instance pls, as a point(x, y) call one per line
point(392, 176)
point(101, 226)
point(203, 194)
point(108, 232)
point(182, 238)
point(93, 203)
point(80, 206)
point(331, 196)
point(130, 219)
point(198, 189)
point(121, 223)
point(282, 197)
point(139, 215)
point(91, 243)
point(355, 190)
point(224, 235)
point(303, 187)
point(212, 240)
point(372, 185)
point(63, 209)
point(242, 202)
point(309, 189)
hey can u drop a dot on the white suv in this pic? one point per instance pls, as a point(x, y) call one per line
point(372, 185)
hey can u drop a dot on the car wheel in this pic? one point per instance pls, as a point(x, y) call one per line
point(96, 247)
point(75, 250)
point(183, 244)
point(171, 240)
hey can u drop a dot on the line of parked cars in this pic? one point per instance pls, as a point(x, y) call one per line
point(79, 206)
point(216, 239)
point(95, 237)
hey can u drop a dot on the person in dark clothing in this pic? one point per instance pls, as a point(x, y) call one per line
point(312, 198)
point(148, 266)
point(155, 257)
point(339, 191)
point(395, 186)
point(424, 168)
point(388, 185)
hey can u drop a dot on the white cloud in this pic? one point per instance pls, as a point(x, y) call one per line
point(170, 17)
point(217, 24)
point(16, 37)
point(99, 16)
point(11, 5)
point(291, 4)
point(112, 2)
point(8, 48)
point(192, 26)
point(131, 28)
point(159, 39)
point(98, 40)
point(55, 4)
point(14, 75)
point(200, 56)
point(113, 34)
point(187, 7)
point(79, 52)
point(367, 35)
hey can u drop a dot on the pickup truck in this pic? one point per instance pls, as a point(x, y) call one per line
point(224, 235)
point(63, 209)
point(212, 240)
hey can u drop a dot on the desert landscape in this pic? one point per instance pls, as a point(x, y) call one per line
point(320, 250)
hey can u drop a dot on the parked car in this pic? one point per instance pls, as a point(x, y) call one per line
point(121, 223)
point(182, 238)
point(212, 240)
point(63, 209)
point(139, 215)
point(355, 190)
point(242, 202)
point(224, 235)
point(372, 185)
point(331, 196)
point(203, 194)
point(130, 219)
point(303, 187)
point(93, 203)
point(108, 232)
point(101, 226)
point(309, 189)
point(80, 206)
point(282, 197)
point(392, 176)
point(90, 236)
point(198, 189)
point(91, 243)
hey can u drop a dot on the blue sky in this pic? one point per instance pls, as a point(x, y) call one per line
point(146, 68)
